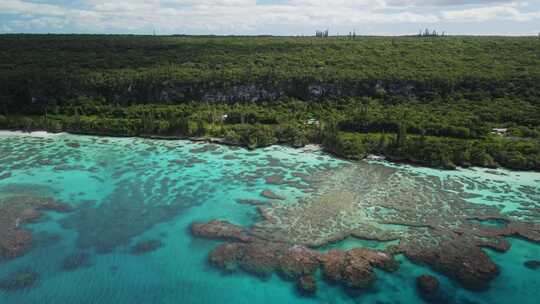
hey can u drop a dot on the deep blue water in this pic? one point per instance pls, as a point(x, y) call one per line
point(126, 190)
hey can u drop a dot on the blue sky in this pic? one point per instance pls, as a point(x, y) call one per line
point(277, 17)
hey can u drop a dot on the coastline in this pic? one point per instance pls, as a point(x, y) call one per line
point(221, 141)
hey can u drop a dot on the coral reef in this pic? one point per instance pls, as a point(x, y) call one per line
point(431, 220)
point(532, 264)
point(252, 202)
point(75, 261)
point(219, 230)
point(271, 195)
point(428, 287)
point(19, 280)
point(352, 268)
point(15, 211)
point(126, 213)
point(146, 246)
point(307, 285)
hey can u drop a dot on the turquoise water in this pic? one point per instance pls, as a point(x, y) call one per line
point(125, 190)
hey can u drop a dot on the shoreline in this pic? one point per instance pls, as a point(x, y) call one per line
point(221, 141)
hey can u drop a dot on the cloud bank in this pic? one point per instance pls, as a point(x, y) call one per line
point(265, 17)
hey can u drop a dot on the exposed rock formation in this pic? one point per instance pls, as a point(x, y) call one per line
point(429, 219)
point(220, 230)
point(353, 268)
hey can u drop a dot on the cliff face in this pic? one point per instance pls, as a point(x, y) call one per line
point(259, 90)
point(253, 92)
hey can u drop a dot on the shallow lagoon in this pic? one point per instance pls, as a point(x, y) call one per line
point(124, 190)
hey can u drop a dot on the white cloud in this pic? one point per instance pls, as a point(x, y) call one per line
point(245, 16)
point(22, 7)
point(482, 14)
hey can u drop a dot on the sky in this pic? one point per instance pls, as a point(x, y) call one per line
point(271, 17)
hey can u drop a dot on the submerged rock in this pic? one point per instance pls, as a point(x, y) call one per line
point(146, 246)
point(73, 144)
point(333, 262)
point(220, 230)
point(428, 287)
point(355, 267)
point(275, 179)
point(352, 268)
point(15, 211)
point(271, 195)
point(226, 256)
point(252, 202)
point(75, 261)
point(261, 259)
point(532, 264)
point(307, 285)
point(19, 280)
point(298, 261)
point(470, 266)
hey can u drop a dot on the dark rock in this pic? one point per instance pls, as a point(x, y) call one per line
point(298, 261)
point(226, 256)
point(307, 285)
point(357, 273)
point(532, 264)
point(252, 202)
point(271, 195)
point(428, 287)
point(19, 280)
point(75, 261)
point(333, 262)
point(146, 246)
point(220, 230)
point(354, 268)
point(73, 144)
point(205, 148)
point(470, 266)
point(275, 179)
point(15, 241)
point(261, 259)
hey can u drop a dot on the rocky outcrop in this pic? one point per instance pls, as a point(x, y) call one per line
point(532, 264)
point(470, 266)
point(227, 256)
point(427, 219)
point(298, 261)
point(352, 268)
point(220, 230)
point(355, 267)
point(252, 202)
point(428, 287)
point(307, 285)
point(271, 195)
point(146, 246)
point(275, 179)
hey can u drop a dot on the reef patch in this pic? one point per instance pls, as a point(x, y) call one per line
point(15, 211)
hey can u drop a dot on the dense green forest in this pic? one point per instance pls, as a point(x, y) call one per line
point(428, 100)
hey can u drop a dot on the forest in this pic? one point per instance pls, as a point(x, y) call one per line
point(433, 101)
